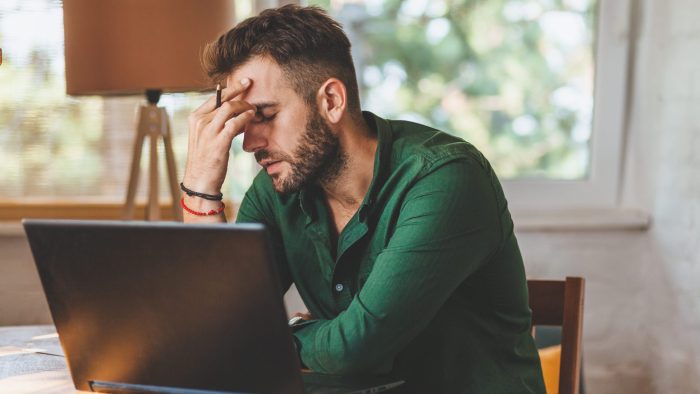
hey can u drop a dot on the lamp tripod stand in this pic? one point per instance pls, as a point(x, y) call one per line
point(153, 122)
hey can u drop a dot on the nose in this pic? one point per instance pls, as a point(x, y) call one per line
point(254, 138)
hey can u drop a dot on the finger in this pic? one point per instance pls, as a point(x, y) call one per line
point(227, 93)
point(200, 125)
point(196, 121)
point(236, 125)
point(238, 88)
point(228, 110)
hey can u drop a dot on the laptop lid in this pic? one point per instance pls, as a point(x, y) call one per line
point(166, 304)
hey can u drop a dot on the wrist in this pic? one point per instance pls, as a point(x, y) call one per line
point(199, 204)
point(192, 193)
point(201, 186)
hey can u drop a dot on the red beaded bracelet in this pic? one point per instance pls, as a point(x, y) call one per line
point(210, 213)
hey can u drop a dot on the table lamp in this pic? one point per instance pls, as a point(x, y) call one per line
point(144, 47)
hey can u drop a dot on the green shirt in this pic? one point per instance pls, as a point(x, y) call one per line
point(426, 281)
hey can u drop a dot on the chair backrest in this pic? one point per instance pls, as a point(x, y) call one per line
point(560, 303)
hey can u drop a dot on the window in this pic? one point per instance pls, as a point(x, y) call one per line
point(537, 85)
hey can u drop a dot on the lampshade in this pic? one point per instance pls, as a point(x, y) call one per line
point(117, 47)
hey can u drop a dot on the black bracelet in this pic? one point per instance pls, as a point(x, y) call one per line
point(211, 197)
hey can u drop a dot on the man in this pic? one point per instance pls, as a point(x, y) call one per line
point(397, 236)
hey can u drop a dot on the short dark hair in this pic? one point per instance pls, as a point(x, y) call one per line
point(305, 42)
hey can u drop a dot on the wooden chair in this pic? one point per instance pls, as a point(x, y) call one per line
point(560, 303)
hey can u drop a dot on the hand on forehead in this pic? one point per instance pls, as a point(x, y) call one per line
point(267, 81)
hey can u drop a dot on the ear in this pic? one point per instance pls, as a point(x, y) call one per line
point(332, 100)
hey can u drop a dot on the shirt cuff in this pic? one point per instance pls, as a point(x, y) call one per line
point(305, 337)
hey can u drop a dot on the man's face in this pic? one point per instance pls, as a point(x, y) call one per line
point(290, 140)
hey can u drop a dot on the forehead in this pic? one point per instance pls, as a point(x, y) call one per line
point(269, 83)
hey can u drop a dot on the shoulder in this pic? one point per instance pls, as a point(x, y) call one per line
point(261, 202)
point(417, 144)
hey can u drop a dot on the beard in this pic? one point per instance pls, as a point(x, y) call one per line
point(318, 158)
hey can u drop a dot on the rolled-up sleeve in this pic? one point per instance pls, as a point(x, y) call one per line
point(447, 226)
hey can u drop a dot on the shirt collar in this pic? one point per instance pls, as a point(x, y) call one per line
point(305, 203)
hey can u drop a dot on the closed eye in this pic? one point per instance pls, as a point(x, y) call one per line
point(260, 118)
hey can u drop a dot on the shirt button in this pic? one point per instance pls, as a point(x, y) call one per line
point(339, 287)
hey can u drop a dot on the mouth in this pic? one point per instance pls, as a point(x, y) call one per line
point(271, 166)
point(267, 163)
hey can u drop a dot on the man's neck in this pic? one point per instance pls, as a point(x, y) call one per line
point(359, 144)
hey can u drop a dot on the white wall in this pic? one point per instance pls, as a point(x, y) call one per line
point(642, 313)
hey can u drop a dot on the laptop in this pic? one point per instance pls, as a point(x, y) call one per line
point(162, 307)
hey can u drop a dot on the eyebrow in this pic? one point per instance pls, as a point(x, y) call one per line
point(263, 105)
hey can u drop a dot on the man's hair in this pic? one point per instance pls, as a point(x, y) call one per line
point(305, 42)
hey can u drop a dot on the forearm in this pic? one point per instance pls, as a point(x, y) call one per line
point(404, 292)
point(341, 346)
point(212, 127)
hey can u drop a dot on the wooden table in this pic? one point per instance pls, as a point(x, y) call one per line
point(31, 361)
